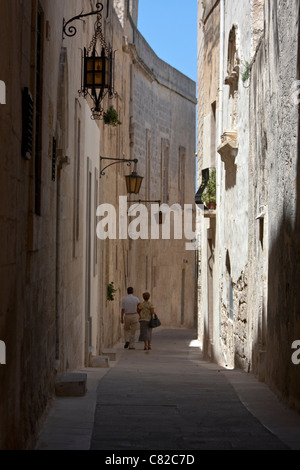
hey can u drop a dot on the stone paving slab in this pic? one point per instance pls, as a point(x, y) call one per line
point(170, 399)
point(165, 399)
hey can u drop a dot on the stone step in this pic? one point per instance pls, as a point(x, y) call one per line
point(110, 353)
point(71, 384)
point(99, 361)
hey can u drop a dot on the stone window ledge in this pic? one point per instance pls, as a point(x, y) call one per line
point(210, 214)
point(229, 146)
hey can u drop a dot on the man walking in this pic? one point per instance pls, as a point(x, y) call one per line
point(130, 317)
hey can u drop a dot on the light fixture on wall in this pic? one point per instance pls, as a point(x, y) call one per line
point(97, 78)
point(133, 181)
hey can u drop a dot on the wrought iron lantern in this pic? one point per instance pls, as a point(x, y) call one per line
point(133, 181)
point(97, 71)
point(97, 64)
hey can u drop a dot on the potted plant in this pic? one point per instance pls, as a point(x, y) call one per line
point(110, 117)
point(209, 194)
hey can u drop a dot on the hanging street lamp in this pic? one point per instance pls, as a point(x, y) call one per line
point(97, 79)
point(133, 181)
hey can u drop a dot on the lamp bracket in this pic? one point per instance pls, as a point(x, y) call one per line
point(115, 161)
point(71, 31)
point(140, 201)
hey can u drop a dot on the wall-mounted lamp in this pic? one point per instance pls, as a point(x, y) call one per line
point(97, 69)
point(133, 181)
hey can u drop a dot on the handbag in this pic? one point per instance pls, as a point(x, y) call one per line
point(154, 322)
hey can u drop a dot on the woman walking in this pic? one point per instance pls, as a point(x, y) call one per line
point(146, 311)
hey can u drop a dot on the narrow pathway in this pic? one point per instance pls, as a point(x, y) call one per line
point(169, 399)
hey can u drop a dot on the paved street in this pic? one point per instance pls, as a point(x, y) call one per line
point(170, 399)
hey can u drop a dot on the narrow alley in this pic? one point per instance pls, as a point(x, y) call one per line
point(169, 398)
point(123, 171)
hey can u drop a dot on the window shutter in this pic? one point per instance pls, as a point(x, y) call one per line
point(27, 124)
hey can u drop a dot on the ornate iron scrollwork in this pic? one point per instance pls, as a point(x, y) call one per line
point(115, 161)
point(72, 30)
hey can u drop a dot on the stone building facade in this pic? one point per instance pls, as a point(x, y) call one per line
point(248, 130)
point(54, 314)
point(166, 155)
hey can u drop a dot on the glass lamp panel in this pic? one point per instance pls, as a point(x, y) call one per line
point(94, 76)
point(98, 79)
point(139, 180)
point(133, 183)
point(128, 184)
point(99, 63)
point(89, 79)
point(89, 64)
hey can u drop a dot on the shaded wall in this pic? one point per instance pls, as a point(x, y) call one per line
point(274, 170)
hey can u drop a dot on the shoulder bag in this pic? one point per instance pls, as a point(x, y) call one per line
point(154, 322)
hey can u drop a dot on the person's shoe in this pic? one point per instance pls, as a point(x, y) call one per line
point(126, 345)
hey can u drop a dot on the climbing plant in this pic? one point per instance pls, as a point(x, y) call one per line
point(246, 73)
point(111, 291)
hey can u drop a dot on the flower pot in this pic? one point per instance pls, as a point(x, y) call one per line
point(211, 205)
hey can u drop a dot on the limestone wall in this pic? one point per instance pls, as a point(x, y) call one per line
point(274, 172)
point(163, 137)
point(54, 274)
point(44, 317)
point(248, 276)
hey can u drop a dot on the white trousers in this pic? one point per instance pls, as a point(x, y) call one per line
point(131, 326)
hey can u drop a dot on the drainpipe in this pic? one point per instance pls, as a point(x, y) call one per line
point(221, 71)
point(219, 163)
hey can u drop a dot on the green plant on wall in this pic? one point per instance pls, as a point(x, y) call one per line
point(246, 73)
point(209, 194)
point(111, 291)
point(110, 117)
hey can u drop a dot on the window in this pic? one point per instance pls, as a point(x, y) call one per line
point(38, 112)
point(233, 62)
point(232, 54)
point(148, 164)
point(165, 171)
point(77, 177)
point(96, 182)
point(27, 124)
point(181, 176)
